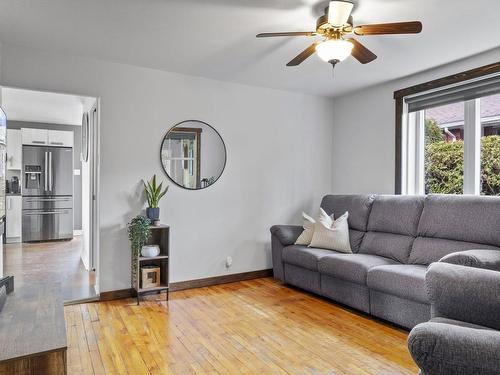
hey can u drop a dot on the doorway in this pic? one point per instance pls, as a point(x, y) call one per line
point(52, 166)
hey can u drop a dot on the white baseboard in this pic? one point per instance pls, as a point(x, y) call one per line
point(77, 232)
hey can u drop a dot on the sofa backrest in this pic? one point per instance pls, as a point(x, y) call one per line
point(392, 226)
point(358, 206)
point(451, 223)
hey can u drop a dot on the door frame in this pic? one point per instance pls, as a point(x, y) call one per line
point(94, 235)
point(95, 148)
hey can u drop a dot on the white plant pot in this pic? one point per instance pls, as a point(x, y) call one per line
point(149, 251)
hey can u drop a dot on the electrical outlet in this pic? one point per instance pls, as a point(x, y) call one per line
point(229, 262)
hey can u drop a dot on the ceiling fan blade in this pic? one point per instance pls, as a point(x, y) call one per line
point(339, 12)
point(361, 53)
point(288, 33)
point(389, 28)
point(303, 55)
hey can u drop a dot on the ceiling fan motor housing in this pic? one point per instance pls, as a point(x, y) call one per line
point(322, 25)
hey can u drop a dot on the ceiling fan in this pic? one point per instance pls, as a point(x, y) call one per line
point(336, 28)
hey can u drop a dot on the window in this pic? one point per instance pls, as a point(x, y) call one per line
point(451, 140)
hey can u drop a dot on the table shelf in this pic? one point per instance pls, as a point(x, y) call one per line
point(154, 289)
point(160, 235)
point(158, 257)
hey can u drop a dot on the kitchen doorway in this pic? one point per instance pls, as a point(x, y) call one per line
point(52, 173)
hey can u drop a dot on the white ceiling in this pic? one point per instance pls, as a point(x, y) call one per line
point(216, 38)
point(45, 107)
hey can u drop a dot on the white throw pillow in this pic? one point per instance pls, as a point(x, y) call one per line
point(307, 234)
point(332, 235)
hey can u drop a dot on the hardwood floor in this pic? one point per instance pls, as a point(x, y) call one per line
point(50, 263)
point(249, 327)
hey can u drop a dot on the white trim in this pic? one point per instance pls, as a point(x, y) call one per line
point(13, 240)
point(472, 147)
point(96, 173)
point(77, 232)
point(485, 121)
point(420, 153)
point(404, 150)
point(451, 125)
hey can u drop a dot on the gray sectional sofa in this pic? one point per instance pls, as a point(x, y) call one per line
point(463, 335)
point(394, 240)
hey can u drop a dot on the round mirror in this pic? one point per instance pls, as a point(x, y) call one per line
point(193, 154)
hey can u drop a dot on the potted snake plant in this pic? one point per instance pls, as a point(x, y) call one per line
point(154, 193)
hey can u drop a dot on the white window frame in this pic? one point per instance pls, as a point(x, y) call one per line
point(413, 148)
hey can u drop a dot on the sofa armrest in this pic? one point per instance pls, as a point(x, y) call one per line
point(464, 293)
point(440, 347)
point(488, 259)
point(281, 236)
point(287, 234)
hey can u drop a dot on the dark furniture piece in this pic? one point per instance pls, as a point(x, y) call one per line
point(6, 287)
point(33, 332)
point(160, 235)
point(463, 336)
point(394, 239)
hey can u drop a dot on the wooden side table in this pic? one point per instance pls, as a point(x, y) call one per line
point(160, 235)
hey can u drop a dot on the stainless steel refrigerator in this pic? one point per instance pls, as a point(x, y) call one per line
point(47, 193)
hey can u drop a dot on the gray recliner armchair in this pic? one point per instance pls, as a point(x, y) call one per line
point(463, 335)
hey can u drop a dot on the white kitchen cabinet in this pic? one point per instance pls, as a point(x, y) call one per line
point(14, 149)
point(37, 137)
point(13, 218)
point(60, 138)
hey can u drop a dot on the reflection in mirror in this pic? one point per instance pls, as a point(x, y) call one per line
point(193, 154)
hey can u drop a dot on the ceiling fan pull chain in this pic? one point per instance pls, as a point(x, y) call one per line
point(334, 63)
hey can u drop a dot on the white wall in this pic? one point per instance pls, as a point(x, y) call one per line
point(363, 133)
point(279, 158)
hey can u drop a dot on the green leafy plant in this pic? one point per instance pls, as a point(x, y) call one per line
point(139, 233)
point(433, 132)
point(444, 166)
point(154, 192)
point(490, 165)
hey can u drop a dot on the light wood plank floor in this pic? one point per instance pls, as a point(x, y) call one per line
point(252, 327)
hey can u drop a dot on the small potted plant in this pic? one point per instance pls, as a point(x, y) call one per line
point(139, 233)
point(154, 193)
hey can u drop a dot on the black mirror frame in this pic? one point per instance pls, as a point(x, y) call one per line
point(223, 144)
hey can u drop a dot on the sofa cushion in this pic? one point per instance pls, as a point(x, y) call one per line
point(355, 238)
point(398, 214)
point(389, 245)
point(461, 218)
point(402, 280)
point(350, 267)
point(428, 250)
point(303, 256)
point(358, 206)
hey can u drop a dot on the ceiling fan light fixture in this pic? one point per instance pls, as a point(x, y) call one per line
point(334, 50)
point(339, 12)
